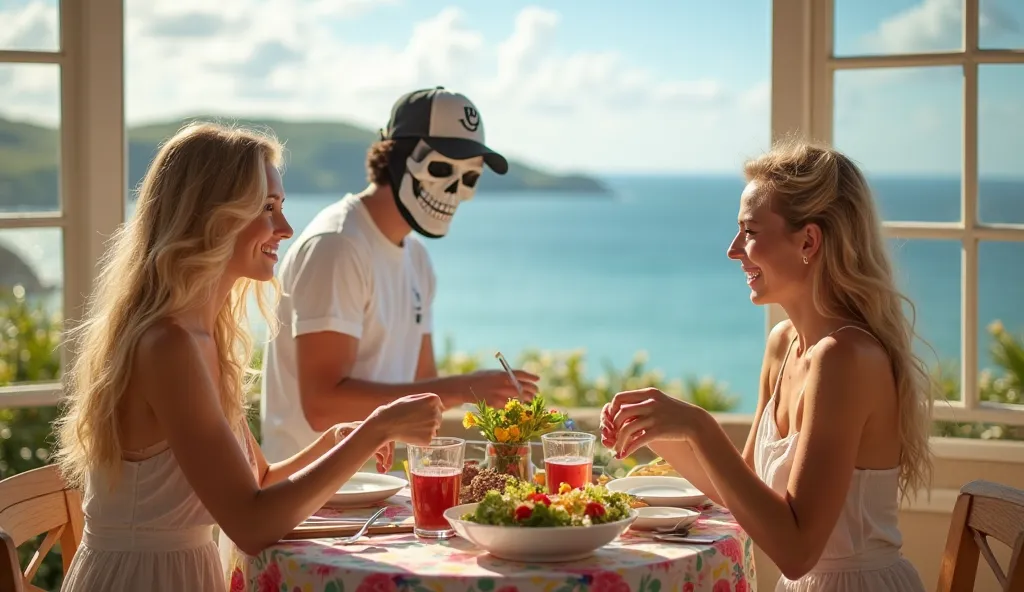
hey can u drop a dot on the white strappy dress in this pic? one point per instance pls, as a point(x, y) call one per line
point(863, 552)
point(150, 533)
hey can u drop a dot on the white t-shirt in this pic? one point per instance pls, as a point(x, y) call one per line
point(342, 274)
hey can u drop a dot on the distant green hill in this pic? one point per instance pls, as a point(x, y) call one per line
point(323, 157)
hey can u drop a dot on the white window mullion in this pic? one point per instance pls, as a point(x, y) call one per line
point(822, 76)
point(70, 26)
point(927, 60)
point(955, 411)
point(42, 394)
point(954, 230)
point(969, 215)
point(93, 137)
point(32, 220)
point(792, 87)
point(998, 232)
point(31, 57)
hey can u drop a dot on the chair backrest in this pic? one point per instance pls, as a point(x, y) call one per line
point(33, 503)
point(983, 509)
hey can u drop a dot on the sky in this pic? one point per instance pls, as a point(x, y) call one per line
point(592, 86)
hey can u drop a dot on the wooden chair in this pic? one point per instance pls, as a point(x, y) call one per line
point(984, 509)
point(33, 503)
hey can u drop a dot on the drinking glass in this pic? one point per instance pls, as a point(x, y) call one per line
point(436, 473)
point(568, 458)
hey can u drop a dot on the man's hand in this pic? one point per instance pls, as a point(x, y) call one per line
point(494, 387)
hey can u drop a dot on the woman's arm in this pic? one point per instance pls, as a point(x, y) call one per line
point(680, 455)
point(793, 528)
point(171, 371)
point(277, 472)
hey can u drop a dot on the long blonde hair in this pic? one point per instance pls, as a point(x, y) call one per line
point(205, 185)
point(853, 279)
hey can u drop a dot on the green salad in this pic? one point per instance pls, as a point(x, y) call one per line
point(527, 505)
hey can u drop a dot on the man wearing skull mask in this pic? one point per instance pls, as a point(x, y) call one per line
point(358, 285)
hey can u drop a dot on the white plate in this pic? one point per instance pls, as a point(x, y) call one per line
point(660, 491)
point(548, 544)
point(653, 517)
point(367, 488)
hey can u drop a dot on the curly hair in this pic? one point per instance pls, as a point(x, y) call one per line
point(379, 155)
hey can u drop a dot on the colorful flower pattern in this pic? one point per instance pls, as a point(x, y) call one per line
point(403, 563)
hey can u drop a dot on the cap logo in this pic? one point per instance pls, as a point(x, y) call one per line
point(472, 120)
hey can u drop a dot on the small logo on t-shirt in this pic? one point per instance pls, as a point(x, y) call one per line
point(418, 307)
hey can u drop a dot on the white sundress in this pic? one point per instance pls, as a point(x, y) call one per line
point(863, 552)
point(149, 533)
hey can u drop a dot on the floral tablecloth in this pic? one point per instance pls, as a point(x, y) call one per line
point(401, 562)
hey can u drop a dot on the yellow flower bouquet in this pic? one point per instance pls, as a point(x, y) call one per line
point(509, 430)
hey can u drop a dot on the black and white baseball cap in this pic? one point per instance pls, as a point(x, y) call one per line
point(447, 121)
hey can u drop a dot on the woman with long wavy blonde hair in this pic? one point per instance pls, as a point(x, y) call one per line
point(154, 427)
point(841, 429)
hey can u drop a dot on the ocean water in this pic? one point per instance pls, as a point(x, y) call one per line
point(646, 270)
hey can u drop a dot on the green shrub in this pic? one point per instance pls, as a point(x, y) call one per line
point(29, 342)
point(1002, 385)
point(563, 378)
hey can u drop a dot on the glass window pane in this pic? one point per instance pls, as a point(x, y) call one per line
point(886, 27)
point(29, 138)
point(928, 272)
point(1001, 321)
point(1001, 144)
point(1002, 24)
point(903, 126)
point(1000, 340)
point(29, 25)
point(31, 304)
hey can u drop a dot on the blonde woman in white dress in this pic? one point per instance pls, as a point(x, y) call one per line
point(154, 428)
point(841, 428)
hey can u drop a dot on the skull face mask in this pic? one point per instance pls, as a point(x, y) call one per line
point(429, 187)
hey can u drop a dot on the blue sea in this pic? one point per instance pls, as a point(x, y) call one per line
point(645, 269)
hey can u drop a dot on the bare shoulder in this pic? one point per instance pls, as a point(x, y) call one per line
point(166, 343)
point(779, 338)
point(852, 364)
point(851, 350)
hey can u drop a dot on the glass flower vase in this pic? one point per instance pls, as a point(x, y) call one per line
point(510, 459)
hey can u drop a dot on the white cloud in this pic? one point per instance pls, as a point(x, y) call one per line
point(583, 109)
point(32, 27)
point(935, 25)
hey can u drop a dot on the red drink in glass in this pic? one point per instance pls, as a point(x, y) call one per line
point(434, 490)
point(436, 474)
point(574, 470)
point(568, 458)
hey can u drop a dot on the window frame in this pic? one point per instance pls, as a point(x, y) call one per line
point(803, 69)
point(92, 148)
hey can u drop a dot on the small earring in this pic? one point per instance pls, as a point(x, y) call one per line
point(805, 260)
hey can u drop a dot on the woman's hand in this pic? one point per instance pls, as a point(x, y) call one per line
point(636, 418)
point(413, 419)
point(385, 454)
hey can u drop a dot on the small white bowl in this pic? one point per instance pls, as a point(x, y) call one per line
point(653, 517)
point(536, 544)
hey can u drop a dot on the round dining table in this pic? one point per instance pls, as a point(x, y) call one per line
point(402, 562)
